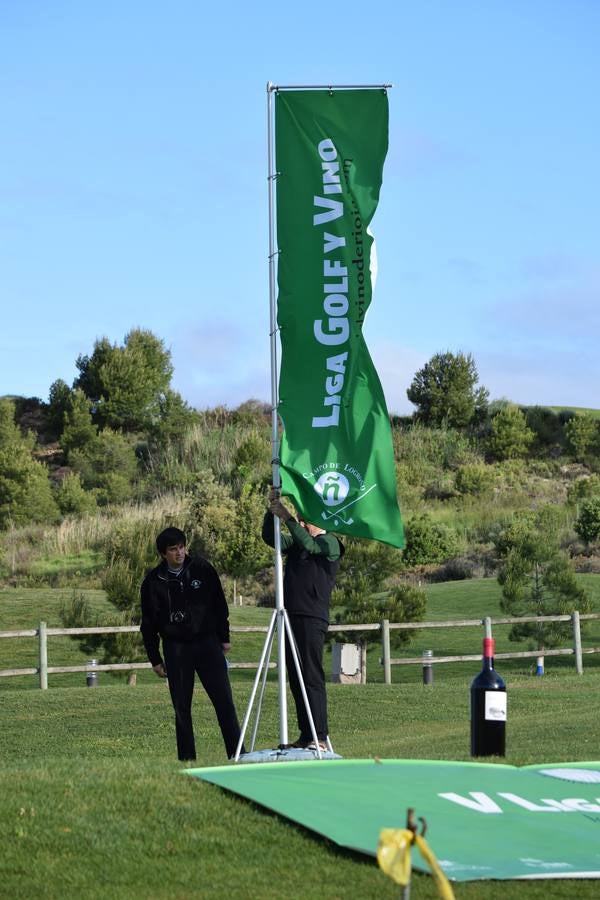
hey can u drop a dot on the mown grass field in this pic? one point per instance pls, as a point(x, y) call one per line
point(93, 803)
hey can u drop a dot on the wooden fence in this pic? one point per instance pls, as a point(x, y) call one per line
point(42, 632)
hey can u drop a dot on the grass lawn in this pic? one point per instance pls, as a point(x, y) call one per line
point(93, 803)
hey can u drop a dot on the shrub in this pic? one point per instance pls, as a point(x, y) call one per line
point(587, 525)
point(364, 570)
point(475, 480)
point(404, 603)
point(71, 497)
point(509, 435)
point(130, 551)
point(428, 541)
point(25, 490)
point(546, 426)
point(581, 433)
point(583, 489)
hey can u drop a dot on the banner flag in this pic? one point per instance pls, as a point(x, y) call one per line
point(337, 460)
point(484, 820)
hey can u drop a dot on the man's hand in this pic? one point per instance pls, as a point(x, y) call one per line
point(277, 507)
point(160, 670)
point(226, 648)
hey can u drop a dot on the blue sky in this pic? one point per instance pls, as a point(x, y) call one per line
point(133, 186)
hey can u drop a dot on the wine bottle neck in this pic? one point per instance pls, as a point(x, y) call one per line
point(488, 653)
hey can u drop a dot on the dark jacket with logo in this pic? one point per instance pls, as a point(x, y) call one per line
point(182, 607)
point(310, 568)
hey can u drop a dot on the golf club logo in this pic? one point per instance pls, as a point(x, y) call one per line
point(339, 486)
point(332, 488)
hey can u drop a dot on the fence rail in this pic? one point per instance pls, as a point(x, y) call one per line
point(42, 632)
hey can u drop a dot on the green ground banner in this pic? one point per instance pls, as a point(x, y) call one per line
point(485, 820)
point(337, 459)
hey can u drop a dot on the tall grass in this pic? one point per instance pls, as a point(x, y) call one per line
point(74, 536)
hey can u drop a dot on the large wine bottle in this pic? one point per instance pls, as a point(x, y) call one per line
point(488, 708)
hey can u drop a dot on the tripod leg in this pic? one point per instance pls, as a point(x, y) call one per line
point(292, 643)
point(267, 646)
point(262, 690)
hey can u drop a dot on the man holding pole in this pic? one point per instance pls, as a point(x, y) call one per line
point(312, 560)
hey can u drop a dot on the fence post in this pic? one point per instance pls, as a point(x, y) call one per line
point(43, 656)
point(385, 651)
point(577, 642)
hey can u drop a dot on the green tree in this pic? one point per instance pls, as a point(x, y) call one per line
point(59, 402)
point(403, 603)
point(547, 427)
point(583, 489)
point(587, 525)
point(365, 569)
point(25, 490)
point(226, 530)
point(122, 647)
point(172, 421)
point(445, 391)
point(211, 518)
point(362, 592)
point(509, 437)
point(10, 433)
point(78, 432)
point(127, 384)
point(582, 433)
point(72, 498)
point(108, 465)
point(538, 579)
point(247, 553)
point(252, 464)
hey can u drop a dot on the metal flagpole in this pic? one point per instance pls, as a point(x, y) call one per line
point(280, 621)
point(283, 720)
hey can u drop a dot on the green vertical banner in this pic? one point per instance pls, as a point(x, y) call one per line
point(337, 460)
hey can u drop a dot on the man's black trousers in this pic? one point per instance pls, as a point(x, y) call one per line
point(204, 656)
point(309, 634)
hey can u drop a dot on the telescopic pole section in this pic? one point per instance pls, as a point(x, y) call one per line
point(281, 679)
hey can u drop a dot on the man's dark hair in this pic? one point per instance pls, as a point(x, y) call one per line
point(168, 538)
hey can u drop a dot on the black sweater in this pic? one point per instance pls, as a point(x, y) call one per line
point(196, 593)
point(310, 568)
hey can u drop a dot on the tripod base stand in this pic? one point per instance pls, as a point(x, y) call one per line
point(293, 754)
point(283, 753)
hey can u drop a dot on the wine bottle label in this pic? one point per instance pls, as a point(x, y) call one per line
point(495, 706)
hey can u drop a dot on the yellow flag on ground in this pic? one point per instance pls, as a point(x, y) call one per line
point(393, 856)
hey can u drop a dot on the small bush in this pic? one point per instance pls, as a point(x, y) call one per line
point(404, 603)
point(428, 541)
point(583, 489)
point(72, 498)
point(475, 480)
point(587, 525)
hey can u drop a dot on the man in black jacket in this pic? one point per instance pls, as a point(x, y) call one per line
point(183, 603)
point(312, 560)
